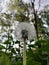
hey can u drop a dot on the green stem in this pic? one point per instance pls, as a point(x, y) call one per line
point(24, 53)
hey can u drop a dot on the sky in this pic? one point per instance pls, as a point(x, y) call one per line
point(3, 8)
point(42, 4)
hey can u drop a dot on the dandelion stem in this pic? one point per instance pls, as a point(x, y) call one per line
point(24, 53)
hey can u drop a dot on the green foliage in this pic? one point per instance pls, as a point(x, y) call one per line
point(17, 5)
point(4, 59)
point(2, 47)
point(33, 58)
point(20, 17)
point(33, 63)
point(18, 63)
point(7, 42)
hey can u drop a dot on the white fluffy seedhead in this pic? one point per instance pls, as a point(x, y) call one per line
point(25, 26)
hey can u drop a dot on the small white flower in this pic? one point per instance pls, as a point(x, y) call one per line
point(25, 26)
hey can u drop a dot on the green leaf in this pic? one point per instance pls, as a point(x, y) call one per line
point(31, 45)
point(38, 43)
point(17, 41)
point(7, 42)
point(4, 59)
point(17, 49)
point(2, 47)
point(13, 51)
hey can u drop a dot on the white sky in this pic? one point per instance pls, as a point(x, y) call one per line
point(43, 3)
point(3, 5)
